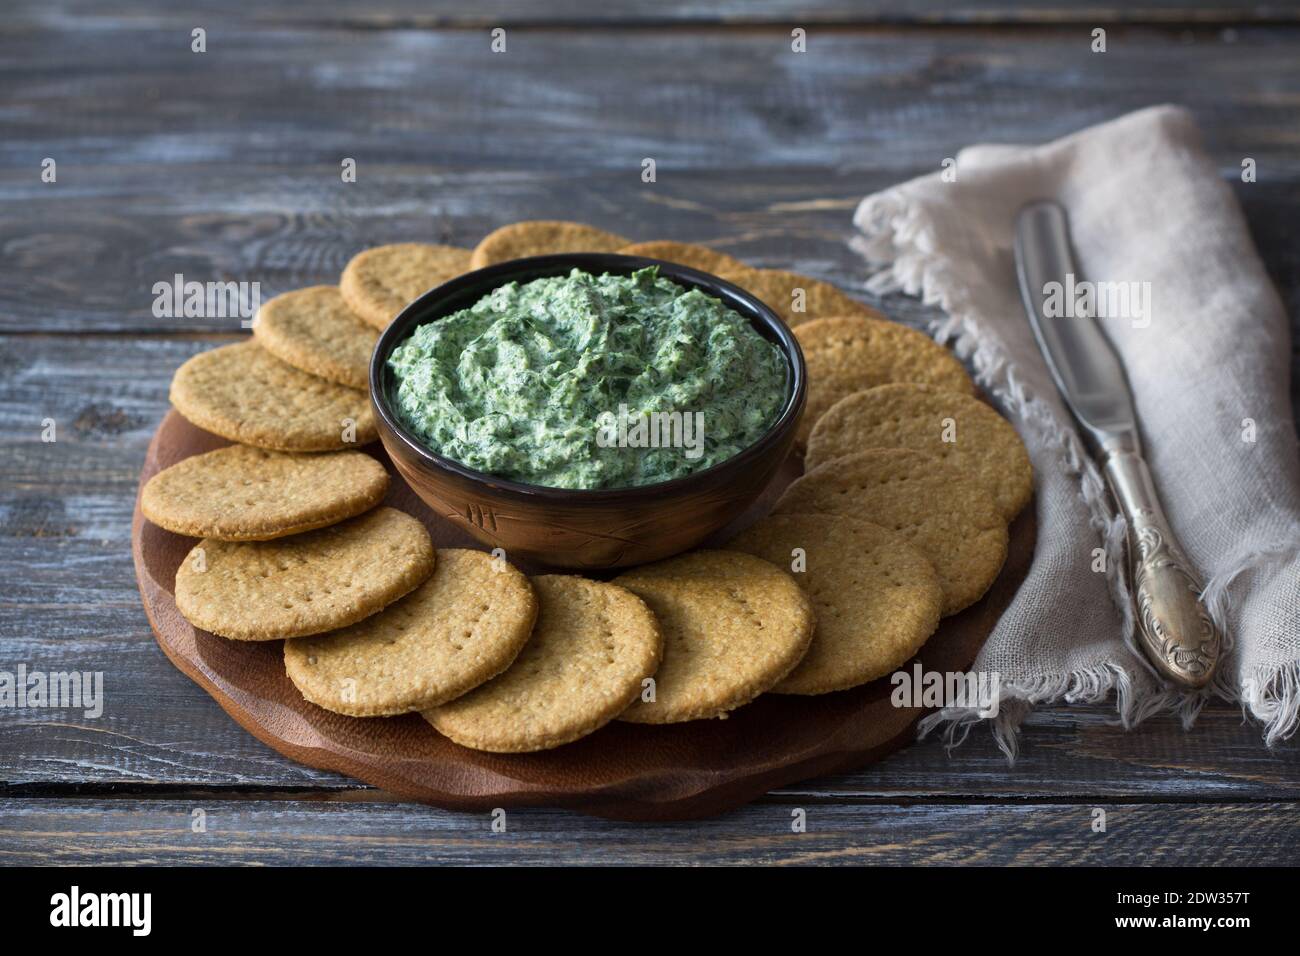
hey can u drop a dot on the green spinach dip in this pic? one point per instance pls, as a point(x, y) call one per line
point(572, 381)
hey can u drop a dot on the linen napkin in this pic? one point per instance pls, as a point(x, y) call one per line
point(1209, 369)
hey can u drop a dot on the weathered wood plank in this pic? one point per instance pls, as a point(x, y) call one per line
point(70, 602)
point(159, 831)
point(226, 168)
point(606, 99)
point(163, 170)
point(70, 593)
point(559, 13)
point(176, 739)
point(87, 259)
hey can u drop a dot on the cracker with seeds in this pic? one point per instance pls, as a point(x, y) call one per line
point(540, 237)
point(242, 493)
point(798, 298)
point(314, 330)
point(244, 393)
point(960, 429)
point(592, 646)
point(734, 625)
point(848, 354)
point(948, 515)
point(305, 584)
point(461, 627)
point(379, 283)
point(876, 597)
point(685, 254)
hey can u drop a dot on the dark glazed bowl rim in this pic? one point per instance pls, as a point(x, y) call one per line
point(464, 290)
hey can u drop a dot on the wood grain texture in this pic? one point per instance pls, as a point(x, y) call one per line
point(227, 168)
point(71, 601)
point(638, 14)
point(622, 771)
point(305, 833)
point(165, 170)
point(436, 100)
point(176, 740)
point(128, 231)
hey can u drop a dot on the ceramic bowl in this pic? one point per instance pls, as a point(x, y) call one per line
point(577, 529)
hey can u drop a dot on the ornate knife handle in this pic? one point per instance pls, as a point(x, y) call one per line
point(1172, 621)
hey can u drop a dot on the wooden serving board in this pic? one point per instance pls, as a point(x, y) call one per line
point(623, 771)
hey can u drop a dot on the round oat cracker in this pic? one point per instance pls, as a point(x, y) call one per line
point(734, 625)
point(948, 515)
point(876, 597)
point(461, 627)
point(378, 283)
point(685, 254)
point(314, 330)
point(780, 290)
point(591, 648)
point(241, 493)
point(962, 430)
point(846, 354)
point(541, 237)
point(307, 583)
point(244, 393)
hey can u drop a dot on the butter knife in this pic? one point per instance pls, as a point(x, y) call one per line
point(1174, 628)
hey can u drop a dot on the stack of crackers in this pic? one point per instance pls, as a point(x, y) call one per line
point(900, 518)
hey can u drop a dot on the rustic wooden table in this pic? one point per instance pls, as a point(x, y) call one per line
point(225, 165)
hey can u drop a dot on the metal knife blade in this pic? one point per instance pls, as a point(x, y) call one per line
point(1174, 628)
point(1080, 357)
